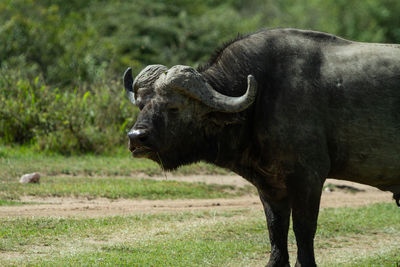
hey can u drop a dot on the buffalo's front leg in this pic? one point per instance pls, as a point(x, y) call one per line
point(278, 215)
point(305, 199)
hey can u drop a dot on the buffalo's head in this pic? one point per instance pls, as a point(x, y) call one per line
point(173, 104)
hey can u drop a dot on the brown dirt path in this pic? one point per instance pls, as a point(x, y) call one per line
point(80, 207)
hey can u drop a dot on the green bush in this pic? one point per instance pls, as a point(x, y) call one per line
point(61, 62)
point(85, 120)
point(63, 46)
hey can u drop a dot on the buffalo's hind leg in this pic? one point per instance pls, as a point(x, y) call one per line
point(278, 215)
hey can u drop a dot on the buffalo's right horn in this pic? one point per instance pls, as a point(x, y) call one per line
point(128, 81)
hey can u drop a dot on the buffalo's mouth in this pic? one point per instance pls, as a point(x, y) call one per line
point(141, 151)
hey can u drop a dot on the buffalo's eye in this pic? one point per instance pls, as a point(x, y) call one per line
point(173, 109)
point(140, 104)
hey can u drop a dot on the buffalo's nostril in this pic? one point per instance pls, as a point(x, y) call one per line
point(143, 139)
point(138, 137)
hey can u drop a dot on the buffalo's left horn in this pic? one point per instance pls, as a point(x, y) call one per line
point(128, 81)
point(190, 82)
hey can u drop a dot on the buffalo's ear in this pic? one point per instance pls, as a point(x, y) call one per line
point(128, 84)
point(145, 79)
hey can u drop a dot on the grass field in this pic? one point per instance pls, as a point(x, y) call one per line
point(111, 176)
point(362, 236)
point(229, 238)
point(117, 187)
point(16, 161)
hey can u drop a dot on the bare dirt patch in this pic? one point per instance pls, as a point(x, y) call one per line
point(67, 207)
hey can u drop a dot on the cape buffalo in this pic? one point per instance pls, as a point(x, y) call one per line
point(283, 108)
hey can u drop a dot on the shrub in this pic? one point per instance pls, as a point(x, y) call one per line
point(88, 119)
point(61, 61)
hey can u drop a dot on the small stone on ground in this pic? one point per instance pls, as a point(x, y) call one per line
point(30, 178)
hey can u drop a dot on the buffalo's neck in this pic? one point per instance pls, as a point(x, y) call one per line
point(228, 138)
point(234, 149)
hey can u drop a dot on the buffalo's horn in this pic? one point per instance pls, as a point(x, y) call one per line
point(190, 82)
point(128, 81)
point(232, 104)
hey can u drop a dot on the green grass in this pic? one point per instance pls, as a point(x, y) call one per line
point(114, 188)
point(206, 238)
point(111, 176)
point(7, 202)
point(351, 220)
point(389, 258)
point(16, 161)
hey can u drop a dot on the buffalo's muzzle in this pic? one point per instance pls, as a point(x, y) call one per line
point(138, 142)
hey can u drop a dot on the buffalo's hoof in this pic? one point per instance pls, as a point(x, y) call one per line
point(277, 264)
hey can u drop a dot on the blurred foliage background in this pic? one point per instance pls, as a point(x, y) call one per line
point(61, 62)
